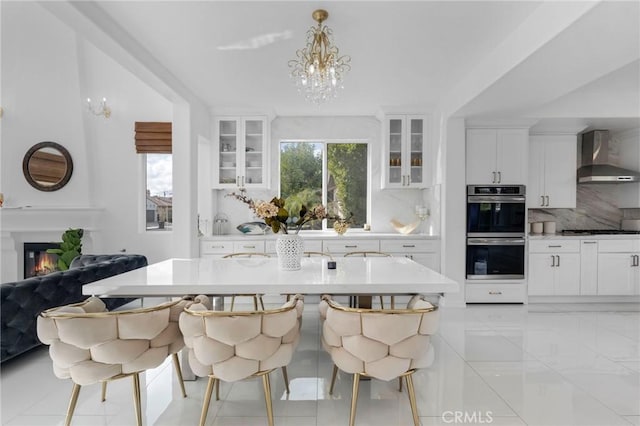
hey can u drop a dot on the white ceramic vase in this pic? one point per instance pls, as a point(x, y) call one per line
point(289, 248)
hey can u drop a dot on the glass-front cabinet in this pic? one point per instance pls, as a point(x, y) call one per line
point(405, 160)
point(240, 152)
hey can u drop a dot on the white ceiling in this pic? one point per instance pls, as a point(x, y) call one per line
point(234, 54)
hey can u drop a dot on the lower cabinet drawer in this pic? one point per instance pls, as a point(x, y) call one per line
point(495, 293)
point(248, 246)
point(409, 246)
point(216, 247)
point(346, 246)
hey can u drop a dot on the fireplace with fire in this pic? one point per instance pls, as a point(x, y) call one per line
point(37, 261)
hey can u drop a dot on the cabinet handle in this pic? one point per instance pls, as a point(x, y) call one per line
point(237, 180)
point(499, 177)
point(553, 261)
point(243, 181)
point(249, 247)
point(494, 292)
point(589, 242)
point(494, 177)
point(634, 260)
point(355, 246)
point(219, 247)
point(547, 197)
point(408, 245)
point(558, 256)
point(558, 246)
point(637, 260)
point(542, 201)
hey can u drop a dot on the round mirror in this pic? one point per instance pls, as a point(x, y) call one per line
point(47, 166)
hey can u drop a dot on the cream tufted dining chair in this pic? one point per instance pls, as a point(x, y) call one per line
point(256, 297)
point(89, 344)
point(383, 344)
point(232, 346)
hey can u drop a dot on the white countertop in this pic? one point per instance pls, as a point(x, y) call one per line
point(179, 277)
point(584, 237)
point(325, 235)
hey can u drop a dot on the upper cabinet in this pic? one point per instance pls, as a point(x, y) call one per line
point(405, 160)
point(240, 152)
point(552, 171)
point(497, 156)
point(629, 157)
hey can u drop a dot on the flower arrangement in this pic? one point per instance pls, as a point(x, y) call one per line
point(276, 216)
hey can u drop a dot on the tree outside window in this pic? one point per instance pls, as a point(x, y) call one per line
point(332, 173)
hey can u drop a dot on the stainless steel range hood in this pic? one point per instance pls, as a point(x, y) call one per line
point(595, 161)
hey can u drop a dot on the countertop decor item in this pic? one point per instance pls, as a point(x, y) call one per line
point(277, 216)
point(340, 227)
point(405, 229)
point(253, 228)
point(289, 248)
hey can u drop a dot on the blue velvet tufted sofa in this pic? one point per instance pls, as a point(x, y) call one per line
point(22, 301)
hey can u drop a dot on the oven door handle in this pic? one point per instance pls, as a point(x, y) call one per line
point(495, 199)
point(495, 242)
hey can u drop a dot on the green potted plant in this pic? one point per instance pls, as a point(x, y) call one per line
point(70, 248)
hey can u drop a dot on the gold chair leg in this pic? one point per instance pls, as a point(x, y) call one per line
point(72, 403)
point(400, 384)
point(255, 303)
point(217, 389)
point(354, 398)
point(176, 366)
point(393, 302)
point(261, 302)
point(412, 398)
point(207, 400)
point(333, 378)
point(381, 302)
point(233, 301)
point(104, 391)
point(266, 383)
point(286, 379)
point(136, 398)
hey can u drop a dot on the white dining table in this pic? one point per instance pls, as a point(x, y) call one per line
point(217, 276)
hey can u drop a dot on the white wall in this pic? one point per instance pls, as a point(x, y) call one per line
point(385, 204)
point(117, 172)
point(47, 74)
point(41, 101)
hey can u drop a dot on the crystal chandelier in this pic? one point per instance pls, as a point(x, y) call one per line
point(318, 69)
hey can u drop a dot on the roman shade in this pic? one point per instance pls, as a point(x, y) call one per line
point(153, 137)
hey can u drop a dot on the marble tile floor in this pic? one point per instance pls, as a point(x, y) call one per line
point(494, 364)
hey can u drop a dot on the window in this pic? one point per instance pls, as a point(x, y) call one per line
point(332, 173)
point(154, 141)
point(159, 189)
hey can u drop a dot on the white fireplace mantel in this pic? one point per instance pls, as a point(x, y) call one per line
point(40, 224)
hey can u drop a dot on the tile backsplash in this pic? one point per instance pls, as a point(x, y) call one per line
point(596, 208)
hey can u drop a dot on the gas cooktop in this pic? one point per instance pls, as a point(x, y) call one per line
point(598, 232)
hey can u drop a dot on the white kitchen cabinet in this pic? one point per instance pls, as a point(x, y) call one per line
point(497, 156)
point(619, 267)
point(240, 152)
point(405, 159)
point(554, 268)
point(589, 267)
point(425, 252)
point(629, 158)
point(552, 171)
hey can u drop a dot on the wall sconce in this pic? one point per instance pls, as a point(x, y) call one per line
point(101, 109)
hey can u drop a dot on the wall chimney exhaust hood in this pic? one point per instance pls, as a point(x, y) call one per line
point(595, 161)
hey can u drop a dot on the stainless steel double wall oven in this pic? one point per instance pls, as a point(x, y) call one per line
point(496, 220)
